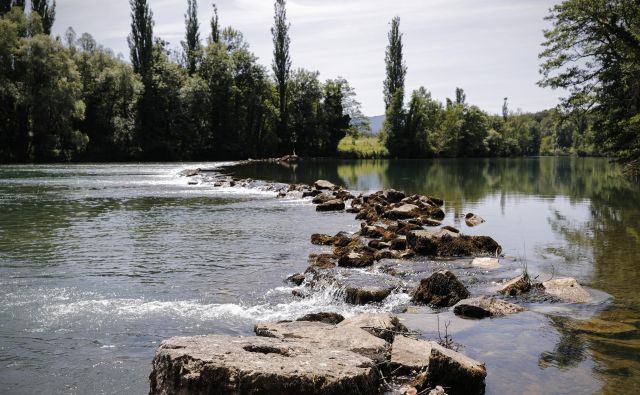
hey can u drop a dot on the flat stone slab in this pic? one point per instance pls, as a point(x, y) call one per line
point(217, 364)
point(410, 354)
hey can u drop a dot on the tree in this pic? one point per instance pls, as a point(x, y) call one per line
point(505, 109)
point(281, 66)
point(461, 97)
point(593, 51)
point(47, 13)
point(423, 118)
point(394, 90)
point(141, 37)
point(215, 26)
point(191, 44)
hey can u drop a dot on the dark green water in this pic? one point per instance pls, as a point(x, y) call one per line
point(99, 263)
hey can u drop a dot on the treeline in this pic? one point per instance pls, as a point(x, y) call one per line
point(70, 99)
point(426, 127)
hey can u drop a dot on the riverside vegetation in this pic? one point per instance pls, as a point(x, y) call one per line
point(69, 99)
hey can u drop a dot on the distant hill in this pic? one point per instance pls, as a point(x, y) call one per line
point(376, 124)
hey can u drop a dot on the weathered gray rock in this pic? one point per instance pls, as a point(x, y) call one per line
point(455, 371)
point(409, 354)
point(331, 205)
point(441, 289)
point(366, 294)
point(324, 184)
point(567, 289)
point(472, 220)
point(217, 364)
point(323, 261)
point(485, 306)
point(327, 318)
point(322, 198)
point(516, 286)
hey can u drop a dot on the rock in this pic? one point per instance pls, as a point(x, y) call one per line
point(366, 334)
point(343, 194)
point(600, 327)
point(312, 192)
point(459, 373)
point(296, 279)
point(399, 243)
point(517, 286)
point(567, 289)
point(437, 391)
point(356, 259)
point(323, 261)
point(327, 318)
point(321, 198)
point(455, 371)
point(448, 243)
point(189, 172)
point(386, 254)
point(366, 294)
point(379, 244)
point(485, 306)
point(441, 289)
point(409, 354)
point(393, 196)
point(321, 239)
point(373, 232)
point(450, 229)
point(324, 184)
point(486, 263)
point(472, 220)
point(331, 205)
point(216, 364)
point(403, 211)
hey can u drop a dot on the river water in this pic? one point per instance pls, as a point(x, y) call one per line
point(99, 263)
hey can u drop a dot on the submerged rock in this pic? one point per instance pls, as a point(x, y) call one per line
point(486, 263)
point(331, 205)
point(441, 289)
point(567, 289)
point(485, 306)
point(366, 294)
point(216, 364)
point(327, 318)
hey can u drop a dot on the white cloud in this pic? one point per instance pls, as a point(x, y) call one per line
point(487, 47)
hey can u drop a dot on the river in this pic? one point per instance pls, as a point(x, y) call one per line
point(101, 262)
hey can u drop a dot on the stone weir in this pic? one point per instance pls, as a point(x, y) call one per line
point(368, 354)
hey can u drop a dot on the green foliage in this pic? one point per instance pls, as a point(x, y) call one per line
point(191, 44)
point(593, 51)
point(141, 37)
point(281, 69)
point(46, 12)
point(362, 147)
point(396, 71)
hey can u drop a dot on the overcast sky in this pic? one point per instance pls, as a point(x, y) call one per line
point(487, 47)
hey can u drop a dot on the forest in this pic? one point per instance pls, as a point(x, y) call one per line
point(70, 99)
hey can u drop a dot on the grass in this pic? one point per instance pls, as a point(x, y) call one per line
point(363, 147)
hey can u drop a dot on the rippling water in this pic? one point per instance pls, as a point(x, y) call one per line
point(99, 263)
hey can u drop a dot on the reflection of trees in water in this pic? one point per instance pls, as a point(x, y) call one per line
point(570, 350)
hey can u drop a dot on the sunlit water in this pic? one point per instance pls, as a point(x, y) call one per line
point(99, 263)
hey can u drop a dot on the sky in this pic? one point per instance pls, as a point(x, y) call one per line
point(487, 47)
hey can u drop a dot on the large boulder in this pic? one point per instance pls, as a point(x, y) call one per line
point(331, 205)
point(393, 196)
point(567, 289)
point(441, 289)
point(216, 364)
point(485, 306)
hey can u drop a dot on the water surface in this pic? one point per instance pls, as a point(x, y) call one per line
point(99, 263)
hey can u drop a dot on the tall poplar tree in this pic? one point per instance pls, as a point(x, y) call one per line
point(215, 25)
point(47, 13)
point(191, 44)
point(394, 91)
point(281, 69)
point(141, 37)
